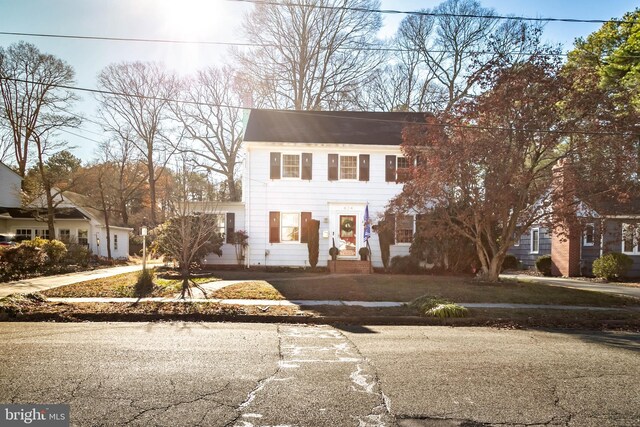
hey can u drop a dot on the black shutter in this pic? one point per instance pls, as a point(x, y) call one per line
point(390, 169)
point(307, 163)
point(333, 167)
point(364, 167)
point(274, 161)
point(305, 217)
point(274, 227)
point(231, 226)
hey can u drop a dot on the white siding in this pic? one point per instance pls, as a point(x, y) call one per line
point(10, 184)
point(323, 198)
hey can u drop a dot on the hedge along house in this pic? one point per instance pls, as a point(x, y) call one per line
point(326, 166)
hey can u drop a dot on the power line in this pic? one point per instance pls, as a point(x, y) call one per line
point(433, 13)
point(314, 113)
point(365, 48)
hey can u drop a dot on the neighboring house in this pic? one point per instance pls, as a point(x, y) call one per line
point(75, 221)
point(10, 187)
point(609, 227)
point(320, 165)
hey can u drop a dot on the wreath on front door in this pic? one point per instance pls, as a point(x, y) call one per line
point(347, 226)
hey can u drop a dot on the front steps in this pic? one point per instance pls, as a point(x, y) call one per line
point(344, 266)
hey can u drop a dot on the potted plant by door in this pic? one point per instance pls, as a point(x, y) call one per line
point(364, 253)
point(333, 251)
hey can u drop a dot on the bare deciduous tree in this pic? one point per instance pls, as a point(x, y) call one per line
point(137, 110)
point(310, 56)
point(213, 123)
point(455, 47)
point(34, 107)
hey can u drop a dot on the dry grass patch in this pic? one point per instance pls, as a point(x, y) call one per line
point(402, 288)
point(255, 289)
point(120, 286)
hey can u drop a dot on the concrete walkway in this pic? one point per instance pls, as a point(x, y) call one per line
point(311, 303)
point(609, 288)
point(43, 283)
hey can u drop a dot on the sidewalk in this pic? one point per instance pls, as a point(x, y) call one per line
point(577, 284)
point(43, 283)
point(311, 303)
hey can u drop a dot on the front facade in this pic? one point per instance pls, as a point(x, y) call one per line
point(327, 166)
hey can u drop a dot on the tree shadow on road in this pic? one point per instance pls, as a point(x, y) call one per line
point(623, 340)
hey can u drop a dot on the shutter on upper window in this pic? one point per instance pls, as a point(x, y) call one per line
point(307, 163)
point(275, 159)
point(390, 169)
point(274, 227)
point(333, 167)
point(305, 217)
point(231, 226)
point(364, 167)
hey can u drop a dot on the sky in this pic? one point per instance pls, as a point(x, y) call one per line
point(213, 20)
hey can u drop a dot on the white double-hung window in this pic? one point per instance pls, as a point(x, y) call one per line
point(630, 237)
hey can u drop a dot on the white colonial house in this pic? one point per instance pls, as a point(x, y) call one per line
point(327, 166)
point(75, 220)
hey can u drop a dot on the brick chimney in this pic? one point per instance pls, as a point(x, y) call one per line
point(566, 238)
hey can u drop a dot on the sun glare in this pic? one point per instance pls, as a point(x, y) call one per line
point(194, 19)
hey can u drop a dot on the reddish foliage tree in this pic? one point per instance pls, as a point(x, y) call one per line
point(484, 169)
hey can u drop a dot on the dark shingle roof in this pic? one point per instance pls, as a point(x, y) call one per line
point(340, 127)
point(60, 213)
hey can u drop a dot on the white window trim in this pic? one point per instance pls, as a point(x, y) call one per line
point(340, 178)
point(584, 234)
point(291, 242)
point(531, 233)
point(299, 166)
point(636, 246)
point(413, 231)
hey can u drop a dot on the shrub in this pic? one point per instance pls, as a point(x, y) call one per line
point(510, 262)
point(427, 302)
point(21, 260)
point(313, 244)
point(364, 253)
point(611, 266)
point(447, 310)
point(78, 254)
point(56, 251)
point(405, 265)
point(543, 265)
point(144, 284)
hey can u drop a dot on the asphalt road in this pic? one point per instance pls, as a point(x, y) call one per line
point(212, 374)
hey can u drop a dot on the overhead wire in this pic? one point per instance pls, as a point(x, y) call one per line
point(317, 113)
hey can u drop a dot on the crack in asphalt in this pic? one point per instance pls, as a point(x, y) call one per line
point(260, 384)
point(174, 404)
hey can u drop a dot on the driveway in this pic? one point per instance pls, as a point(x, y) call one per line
point(609, 288)
point(38, 284)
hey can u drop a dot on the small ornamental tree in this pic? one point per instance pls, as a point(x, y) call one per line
point(240, 240)
point(385, 238)
point(188, 238)
point(313, 244)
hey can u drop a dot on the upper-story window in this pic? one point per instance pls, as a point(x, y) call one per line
point(630, 239)
point(397, 169)
point(348, 167)
point(290, 165)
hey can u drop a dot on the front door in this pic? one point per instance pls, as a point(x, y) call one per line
point(347, 244)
